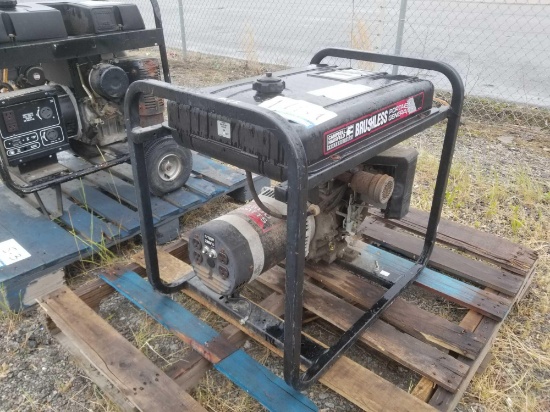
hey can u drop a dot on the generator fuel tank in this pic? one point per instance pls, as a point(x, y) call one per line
point(335, 111)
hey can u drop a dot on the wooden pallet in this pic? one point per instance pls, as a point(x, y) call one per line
point(99, 212)
point(446, 354)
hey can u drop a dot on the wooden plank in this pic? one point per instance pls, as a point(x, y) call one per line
point(119, 188)
point(189, 371)
point(405, 349)
point(217, 172)
point(92, 293)
point(103, 205)
point(184, 199)
point(143, 384)
point(485, 327)
point(171, 268)
point(180, 198)
point(424, 389)
point(195, 182)
point(268, 389)
point(442, 259)
point(95, 376)
point(346, 377)
point(503, 252)
point(463, 294)
point(46, 242)
point(405, 316)
point(271, 391)
point(88, 226)
point(203, 187)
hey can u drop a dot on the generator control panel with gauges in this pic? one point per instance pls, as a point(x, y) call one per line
point(31, 124)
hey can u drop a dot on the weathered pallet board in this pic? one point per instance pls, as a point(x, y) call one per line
point(403, 315)
point(99, 212)
point(272, 392)
point(141, 382)
point(384, 338)
point(454, 290)
point(347, 378)
point(509, 255)
point(510, 258)
point(338, 297)
point(461, 266)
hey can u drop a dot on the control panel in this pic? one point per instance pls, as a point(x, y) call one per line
point(31, 127)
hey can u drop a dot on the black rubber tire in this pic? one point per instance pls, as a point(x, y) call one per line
point(155, 152)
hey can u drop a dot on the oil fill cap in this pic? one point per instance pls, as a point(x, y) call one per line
point(269, 84)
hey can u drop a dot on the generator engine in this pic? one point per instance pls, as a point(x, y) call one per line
point(234, 249)
point(77, 102)
point(336, 112)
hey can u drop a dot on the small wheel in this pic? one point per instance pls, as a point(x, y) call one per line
point(168, 165)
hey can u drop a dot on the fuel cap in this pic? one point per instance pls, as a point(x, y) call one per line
point(269, 84)
point(8, 4)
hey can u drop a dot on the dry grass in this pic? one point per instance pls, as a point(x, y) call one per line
point(517, 207)
point(361, 39)
point(8, 316)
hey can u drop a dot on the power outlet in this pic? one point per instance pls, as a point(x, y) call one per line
point(10, 121)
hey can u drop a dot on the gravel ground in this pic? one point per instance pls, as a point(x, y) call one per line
point(36, 374)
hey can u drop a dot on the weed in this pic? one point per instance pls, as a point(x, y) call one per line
point(7, 314)
point(361, 40)
point(252, 62)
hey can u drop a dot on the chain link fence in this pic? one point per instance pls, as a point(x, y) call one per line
point(500, 47)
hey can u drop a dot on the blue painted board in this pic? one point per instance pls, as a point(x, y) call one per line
point(270, 390)
point(118, 188)
point(47, 242)
point(127, 192)
point(88, 227)
point(259, 382)
point(184, 199)
point(204, 187)
point(103, 205)
point(216, 171)
point(464, 294)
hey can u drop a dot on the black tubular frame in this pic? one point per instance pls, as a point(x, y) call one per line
point(73, 47)
point(297, 172)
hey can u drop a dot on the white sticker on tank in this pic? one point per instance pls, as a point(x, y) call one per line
point(11, 252)
point(224, 129)
point(299, 111)
point(345, 74)
point(384, 273)
point(341, 91)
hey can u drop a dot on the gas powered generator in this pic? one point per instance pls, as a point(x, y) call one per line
point(330, 136)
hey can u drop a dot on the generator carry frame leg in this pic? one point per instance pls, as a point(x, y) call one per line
point(299, 181)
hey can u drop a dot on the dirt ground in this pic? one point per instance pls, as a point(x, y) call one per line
point(500, 183)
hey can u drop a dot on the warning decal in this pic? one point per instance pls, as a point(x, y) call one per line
point(371, 123)
point(11, 252)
